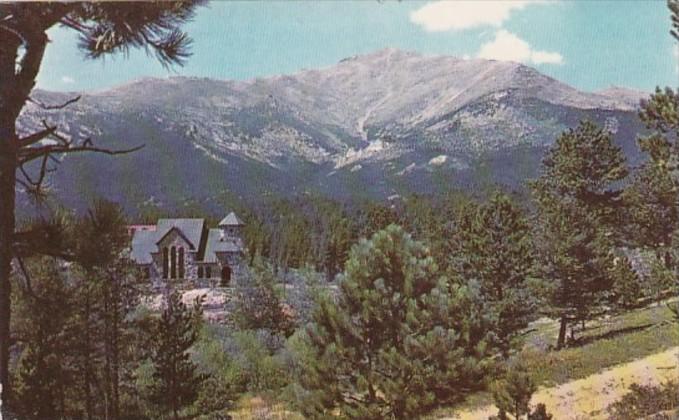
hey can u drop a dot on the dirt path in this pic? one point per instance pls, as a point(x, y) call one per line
point(588, 398)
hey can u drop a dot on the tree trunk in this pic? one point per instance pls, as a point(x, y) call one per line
point(88, 370)
point(8, 54)
point(7, 225)
point(561, 340)
point(115, 347)
point(14, 89)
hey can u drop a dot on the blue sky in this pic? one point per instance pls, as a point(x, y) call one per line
point(589, 44)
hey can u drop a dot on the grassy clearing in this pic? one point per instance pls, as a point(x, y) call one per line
point(607, 343)
point(262, 408)
point(604, 343)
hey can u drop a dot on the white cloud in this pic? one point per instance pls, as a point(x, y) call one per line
point(508, 47)
point(466, 14)
point(67, 79)
point(546, 57)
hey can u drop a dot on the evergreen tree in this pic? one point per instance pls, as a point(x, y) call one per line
point(626, 284)
point(497, 251)
point(259, 307)
point(109, 293)
point(540, 413)
point(45, 373)
point(674, 12)
point(375, 217)
point(512, 394)
point(176, 381)
point(577, 207)
point(652, 198)
point(397, 340)
point(651, 213)
point(102, 29)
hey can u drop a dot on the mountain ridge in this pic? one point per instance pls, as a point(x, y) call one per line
point(375, 121)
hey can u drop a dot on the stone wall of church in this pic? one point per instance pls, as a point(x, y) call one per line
point(190, 264)
point(235, 261)
point(191, 278)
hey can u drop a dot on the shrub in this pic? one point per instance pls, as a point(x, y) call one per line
point(513, 393)
point(645, 400)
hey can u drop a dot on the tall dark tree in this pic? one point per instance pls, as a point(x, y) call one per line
point(109, 294)
point(626, 284)
point(45, 367)
point(652, 198)
point(176, 380)
point(497, 252)
point(103, 29)
point(396, 342)
point(578, 205)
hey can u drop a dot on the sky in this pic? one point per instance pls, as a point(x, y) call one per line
point(589, 44)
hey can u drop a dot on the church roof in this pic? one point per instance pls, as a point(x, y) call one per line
point(191, 229)
point(145, 242)
point(231, 220)
point(217, 243)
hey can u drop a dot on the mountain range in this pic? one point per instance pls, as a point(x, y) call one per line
point(374, 126)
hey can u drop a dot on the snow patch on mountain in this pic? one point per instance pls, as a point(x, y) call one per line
point(438, 160)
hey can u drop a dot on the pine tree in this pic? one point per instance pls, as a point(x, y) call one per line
point(497, 251)
point(377, 216)
point(102, 29)
point(109, 293)
point(259, 307)
point(653, 216)
point(396, 341)
point(577, 209)
point(626, 284)
point(176, 380)
point(651, 212)
point(45, 370)
point(513, 393)
point(540, 413)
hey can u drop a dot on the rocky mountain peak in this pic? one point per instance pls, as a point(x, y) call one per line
point(386, 121)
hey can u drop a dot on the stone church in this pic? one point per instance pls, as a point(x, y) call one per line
point(185, 251)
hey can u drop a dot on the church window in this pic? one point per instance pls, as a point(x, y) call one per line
point(200, 271)
point(166, 262)
point(181, 262)
point(208, 272)
point(173, 262)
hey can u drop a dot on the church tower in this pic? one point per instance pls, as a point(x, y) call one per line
point(231, 229)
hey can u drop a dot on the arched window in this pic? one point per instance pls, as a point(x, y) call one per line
point(200, 271)
point(208, 272)
point(166, 263)
point(181, 262)
point(173, 262)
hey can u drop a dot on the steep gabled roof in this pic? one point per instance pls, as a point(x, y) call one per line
point(179, 232)
point(191, 229)
point(231, 220)
point(216, 243)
